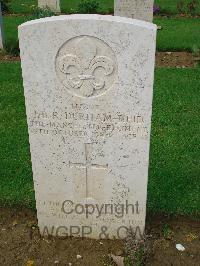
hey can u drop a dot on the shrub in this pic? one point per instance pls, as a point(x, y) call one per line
point(38, 12)
point(189, 8)
point(88, 6)
point(180, 6)
point(12, 47)
point(192, 6)
point(156, 9)
point(5, 5)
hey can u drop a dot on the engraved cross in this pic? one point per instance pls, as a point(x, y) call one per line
point(88, 165)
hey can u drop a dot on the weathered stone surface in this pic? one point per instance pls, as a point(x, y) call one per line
point(1, 29)
point(136, 9)
point(88, 82)
point(54, 5)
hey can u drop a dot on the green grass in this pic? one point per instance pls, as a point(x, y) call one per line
point(22, 6)
point(15, 171)
point(176, 34)
point(166, 6)
point(174, 169)
point(174, 184)
point(10, 27)
point(170, 6)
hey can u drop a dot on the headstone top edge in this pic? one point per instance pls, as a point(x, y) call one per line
point(93, 17)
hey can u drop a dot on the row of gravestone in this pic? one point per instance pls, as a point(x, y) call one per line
point(134, 9)
point(88, 82)
point(138, 9)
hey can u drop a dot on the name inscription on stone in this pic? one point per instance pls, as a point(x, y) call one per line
point(65, 123)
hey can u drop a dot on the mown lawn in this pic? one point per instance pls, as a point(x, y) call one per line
point(15, 170)
point(22, 6)
point(174, 185)
point(170, 6)
point(166, 6)
point(176, 34)
point(10, 24)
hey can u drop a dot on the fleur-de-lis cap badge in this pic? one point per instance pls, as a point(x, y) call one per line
point(80, 66)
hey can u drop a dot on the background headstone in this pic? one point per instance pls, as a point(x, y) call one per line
point(1, 29)
point(54, 5)
point(88, 102)
point(136, 9)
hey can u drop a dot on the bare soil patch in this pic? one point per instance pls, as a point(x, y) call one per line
point(175, 59)
point(21, 243)
point(166, 232)
point(8, 57)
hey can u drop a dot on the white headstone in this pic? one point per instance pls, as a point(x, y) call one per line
point(1, 28)
point(54, 5)
point(136, 9)
point(88, 83)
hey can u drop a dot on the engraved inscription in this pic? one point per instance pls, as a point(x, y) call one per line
point(86, 66)
point(99, 125)
point(137, 9)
